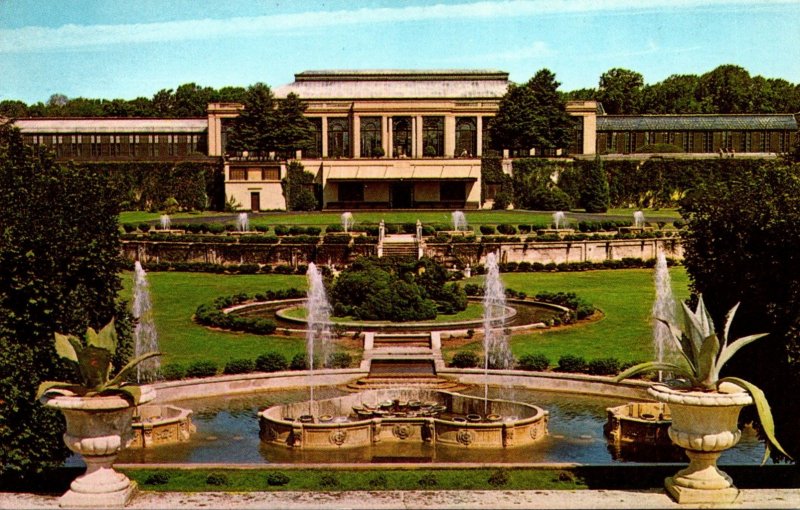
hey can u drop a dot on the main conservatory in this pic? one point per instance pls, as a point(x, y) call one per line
point(398, 139)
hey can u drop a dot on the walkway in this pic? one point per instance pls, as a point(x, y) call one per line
point(594, 499)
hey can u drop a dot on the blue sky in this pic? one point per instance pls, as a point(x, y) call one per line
point(124, 49)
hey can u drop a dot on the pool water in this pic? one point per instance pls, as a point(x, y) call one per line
point(227, 432)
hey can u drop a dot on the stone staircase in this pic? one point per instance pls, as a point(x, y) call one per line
point(409, 360)
point(400, 246)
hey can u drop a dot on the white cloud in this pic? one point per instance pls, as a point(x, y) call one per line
point(33, 38)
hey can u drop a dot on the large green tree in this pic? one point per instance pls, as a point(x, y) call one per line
point(620, 91)
point(727, 89)
point(743, 245)
point(532, 115)
point(60, 259)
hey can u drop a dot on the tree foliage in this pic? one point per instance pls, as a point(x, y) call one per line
point(532, 115)
point(620, 91)
point(382, 289)
point(741, 246)
point(595, 194)
point(60, 254)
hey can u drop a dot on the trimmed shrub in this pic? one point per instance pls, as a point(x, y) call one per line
point(340, 360)
point(379, 482)
point(534, 362)
point(328, 481)
point(271, 362)
point(239, 366)
point(488, 230)
point(603, 366)
point(201, 368)
point(157, 479)
point(428, 481)
point(217, 479)
point(506, 229)
point(173, 372)
point(277, 479)
point(570, 363)
point(465, 359)
point(144, 227)
point(299, 362)
point(330, 229)
point(499, 478)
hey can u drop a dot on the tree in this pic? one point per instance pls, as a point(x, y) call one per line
point(532, 115)
point(620, 91)
point(13, 109)
point(676, 94)
point(60, 254)
point(254, 128)
point(595, 194)
point(293, 131)
point(726, 89)
point(164, 103)
point(191, 100)
point(741, 245)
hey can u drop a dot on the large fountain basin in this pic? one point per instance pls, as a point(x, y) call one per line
point(380, 416)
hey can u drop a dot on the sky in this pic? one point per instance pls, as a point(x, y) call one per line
point(130, 48)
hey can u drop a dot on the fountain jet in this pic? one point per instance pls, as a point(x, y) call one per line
point(496, 351)
point(166, 223)
point(638, 219)
point(663, 308)
point(318, 311)
point(559, 219)
point(459, 221)
point(347, 221)
point(144, 334)
point(243, 222)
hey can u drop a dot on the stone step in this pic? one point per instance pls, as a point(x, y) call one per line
point(388, 350)
point(438, 383)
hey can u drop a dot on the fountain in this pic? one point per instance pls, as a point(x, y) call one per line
point(144, 334)
point(638, 219)
point(663, 308)
point(318, 311)
point(459, 221)
point(166, 223)
point(242, 222)
point(347, 221)
point(558, 219)
point(496, 351)
point(559, 225)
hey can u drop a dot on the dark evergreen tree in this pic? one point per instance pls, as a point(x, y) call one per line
point(741, 245)
point(595, 194)
point(532, 115)
point(293, 131)
point(255, 127)
point(60, 259)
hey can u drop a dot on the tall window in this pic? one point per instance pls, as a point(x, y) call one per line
point(401, 137)
point(315, 150)
point(58, 141)
point(77, 145)
point(687, 141)
point(745, 141)
point(339, 137)
point(238, 174)
point(191, 143)
point(611, 142)
point(466, 137)
point(133, 141)
point(630, 142)
point(487, 148)
point(764, 145)
point(152, 145)
point(115, 145)
point(433, 136)
point(351, 192)
point(172, 145)
point(708, 141)
point(371, 139)
point(96, 146)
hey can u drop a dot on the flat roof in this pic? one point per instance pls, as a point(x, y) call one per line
point(111, 125)
point(398, 84)
point(709, 122)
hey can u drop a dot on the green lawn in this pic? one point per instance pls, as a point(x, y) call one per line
point(624, 296)
point(473, 311)
point(474, 218)
point(175, 297)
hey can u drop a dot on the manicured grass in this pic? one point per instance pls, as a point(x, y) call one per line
point(176, 296)
point(365, 480)
point(474, 218)
point(624, 296)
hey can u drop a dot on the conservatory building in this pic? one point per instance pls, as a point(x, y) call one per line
point(385, 139)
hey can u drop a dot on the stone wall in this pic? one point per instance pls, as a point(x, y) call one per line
point(472, 253)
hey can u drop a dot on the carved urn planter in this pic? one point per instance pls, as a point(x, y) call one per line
point(98, 427)
point(705, 424)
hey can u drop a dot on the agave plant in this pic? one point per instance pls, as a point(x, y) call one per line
point(700, 348)
point(93, 361)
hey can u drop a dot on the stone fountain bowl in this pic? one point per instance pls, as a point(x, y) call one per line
point(451, 419)
point(155, 425)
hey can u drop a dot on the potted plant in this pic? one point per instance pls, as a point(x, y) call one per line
point(705, 408)
point(98, 411)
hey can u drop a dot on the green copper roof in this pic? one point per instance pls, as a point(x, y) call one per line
point(696, 122)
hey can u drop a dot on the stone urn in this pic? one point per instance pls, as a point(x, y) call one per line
point(98, 427)
point(705, 424)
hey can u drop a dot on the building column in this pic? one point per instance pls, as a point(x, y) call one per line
point(479, 137)
point(416, 139)
point(449, 136)
point(590, 134)
point(389, 143)
point(324, 136)
point(385, 135)
point(356, 136)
